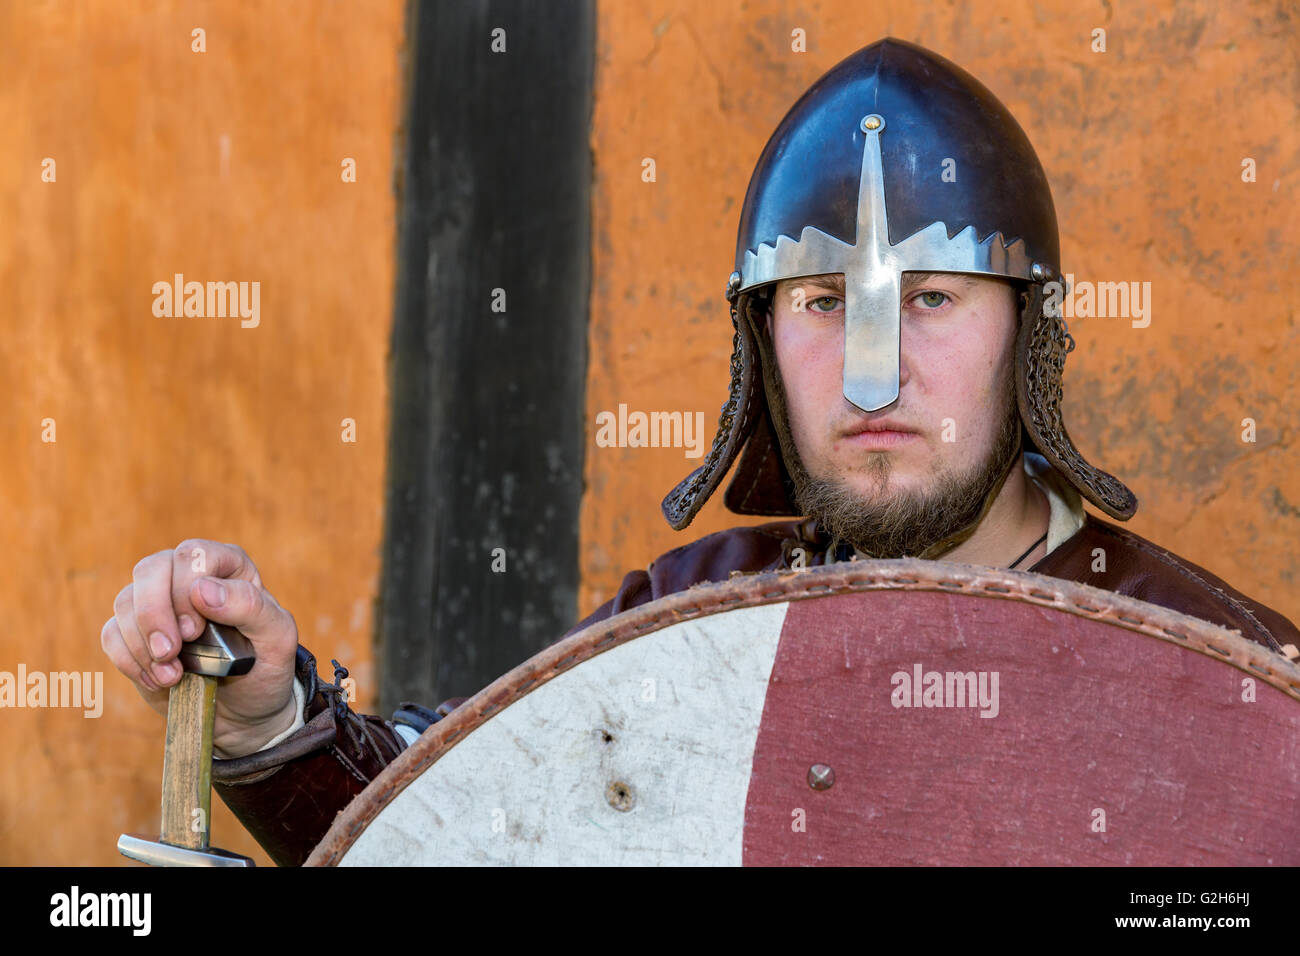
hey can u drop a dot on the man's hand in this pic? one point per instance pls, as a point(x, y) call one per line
point(172, 596)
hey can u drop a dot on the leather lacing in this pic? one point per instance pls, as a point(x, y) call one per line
point(345, 719)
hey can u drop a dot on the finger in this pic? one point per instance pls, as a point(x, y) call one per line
point(155, 618)
point(110, 639)
point(132, 639)
point(241, 604)
point(194, 558)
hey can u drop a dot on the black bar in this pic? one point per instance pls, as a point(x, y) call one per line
point(923, 907)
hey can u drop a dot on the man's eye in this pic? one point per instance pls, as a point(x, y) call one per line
point(827, 303)
point(931, 300)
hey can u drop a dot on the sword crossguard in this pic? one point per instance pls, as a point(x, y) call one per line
point(157, 853)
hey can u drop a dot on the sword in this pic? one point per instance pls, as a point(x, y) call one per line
point(220, 651)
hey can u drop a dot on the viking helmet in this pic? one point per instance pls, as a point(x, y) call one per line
point(895, 161)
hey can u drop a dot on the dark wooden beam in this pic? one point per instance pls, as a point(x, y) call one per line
point(486, 446)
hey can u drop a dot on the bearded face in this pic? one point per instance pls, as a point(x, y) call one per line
point(898, 480)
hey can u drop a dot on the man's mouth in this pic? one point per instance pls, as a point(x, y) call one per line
point(880, 426)
point(881, 439)
point(878, 435)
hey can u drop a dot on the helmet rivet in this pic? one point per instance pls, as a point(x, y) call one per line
point(1042, 272)
point(872, 122)
point(733, 287)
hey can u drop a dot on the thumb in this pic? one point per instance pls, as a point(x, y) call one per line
point(240, 604)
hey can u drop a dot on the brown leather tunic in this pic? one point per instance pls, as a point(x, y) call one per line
point(287, 796)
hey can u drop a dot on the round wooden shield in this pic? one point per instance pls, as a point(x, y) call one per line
point(875, 712)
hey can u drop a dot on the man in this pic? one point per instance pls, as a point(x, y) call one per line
point(895, 383)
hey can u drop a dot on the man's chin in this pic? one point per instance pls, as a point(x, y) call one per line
point(880, 520)
point(872, 493)
point(880, 485)
point(891, 514)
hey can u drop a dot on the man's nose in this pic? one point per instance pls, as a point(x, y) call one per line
point(904, 371)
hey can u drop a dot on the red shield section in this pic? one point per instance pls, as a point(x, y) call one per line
point(1101, 745)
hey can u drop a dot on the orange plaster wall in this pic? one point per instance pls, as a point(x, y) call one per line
point(1143, 146)
point(222, 165)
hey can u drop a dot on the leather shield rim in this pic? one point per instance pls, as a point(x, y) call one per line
point(743, 591)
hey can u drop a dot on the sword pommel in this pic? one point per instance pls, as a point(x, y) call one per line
point(220, 651)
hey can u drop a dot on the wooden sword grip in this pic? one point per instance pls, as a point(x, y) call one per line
point(187, 762)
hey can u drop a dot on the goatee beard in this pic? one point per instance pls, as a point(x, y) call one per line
point(906, 524)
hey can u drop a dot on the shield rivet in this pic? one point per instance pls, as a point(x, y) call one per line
point(620, 796)
point(871, 122)
point(820, 777)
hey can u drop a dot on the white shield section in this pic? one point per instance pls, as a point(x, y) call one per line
point(640, 756)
